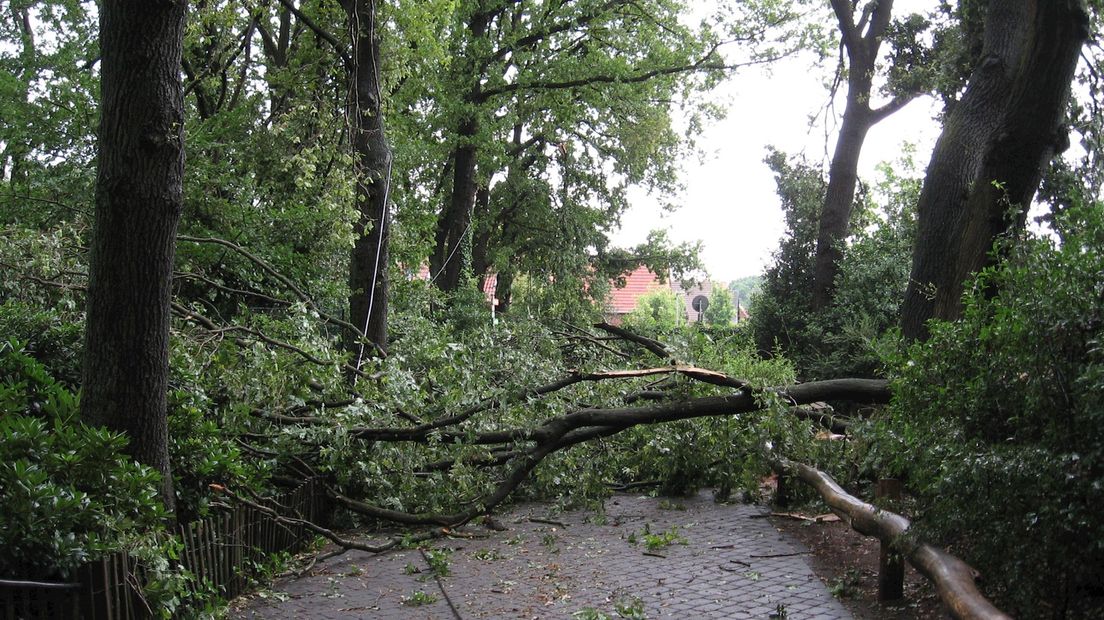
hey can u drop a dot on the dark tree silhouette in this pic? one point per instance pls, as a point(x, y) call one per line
point(995, 144)
point(368, 283)
point(139, 199)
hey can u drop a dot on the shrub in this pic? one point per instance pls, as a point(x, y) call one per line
point(839, 340)
point(68, 493)
point(998, 423)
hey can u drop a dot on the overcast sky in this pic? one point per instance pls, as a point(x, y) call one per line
point(729, 203)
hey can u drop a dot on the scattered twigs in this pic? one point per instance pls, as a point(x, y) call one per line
point(317, 529)
point(953, 578)
point(778, 555)
point(797, 516)
point(547, 521)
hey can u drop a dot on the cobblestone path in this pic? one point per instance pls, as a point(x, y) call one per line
point(704, 560)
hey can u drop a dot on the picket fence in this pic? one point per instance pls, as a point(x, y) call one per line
point(221, 551)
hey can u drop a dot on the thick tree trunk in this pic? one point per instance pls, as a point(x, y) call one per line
point(953, 579)
point(452, 255)
point(453, 252)
point(858, 118)
point(991, 154)
point(139, 198)
point(368, 264)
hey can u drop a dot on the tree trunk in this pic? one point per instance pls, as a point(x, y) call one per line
point(484, 230)
point(452, 255)
point(992, 152)
point(453, 258)
point(835, 217)
point(953, 578)
point(504, 289)
point(139, 198)
point(368, 264)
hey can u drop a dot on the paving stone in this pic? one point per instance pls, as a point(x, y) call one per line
point(538, 570)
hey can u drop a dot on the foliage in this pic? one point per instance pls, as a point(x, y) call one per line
point(841, 340)
point(658, 310)
point(997, 422)
point(784, 303)
point(68, 494)
point(419, 598)
point(720, 311)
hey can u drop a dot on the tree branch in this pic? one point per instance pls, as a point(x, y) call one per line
point(953, 579)
point(322, 33)
point(898, 102)
point(272, 271)
point(849, 34)
point(655, 346)
point(537, 37)
point(703, 64)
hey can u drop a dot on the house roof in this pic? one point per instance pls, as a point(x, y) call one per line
point(639, 282)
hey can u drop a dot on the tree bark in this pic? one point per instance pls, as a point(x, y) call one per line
point(451, 258)
point(988, 162)
point(835, 217)
point(485, 226)
point(139, 199)
point(953, 579)
point(368, 263)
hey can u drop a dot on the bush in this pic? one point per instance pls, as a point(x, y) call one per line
point(68, 494)
point(841, 339)
point(998, 423)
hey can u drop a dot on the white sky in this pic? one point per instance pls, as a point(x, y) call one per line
point(730, 203)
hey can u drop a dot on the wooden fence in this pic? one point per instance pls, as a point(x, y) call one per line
point(221, 552)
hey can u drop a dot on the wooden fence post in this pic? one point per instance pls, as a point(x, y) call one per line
point(781, 493)
point(891, 566)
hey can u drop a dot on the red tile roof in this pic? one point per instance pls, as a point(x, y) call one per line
point(639, 282)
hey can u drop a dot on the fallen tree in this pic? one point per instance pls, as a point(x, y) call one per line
point(953, 578)
point(507, 435)
point(585, 424)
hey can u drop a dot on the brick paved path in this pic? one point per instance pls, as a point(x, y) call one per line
point(725, 562)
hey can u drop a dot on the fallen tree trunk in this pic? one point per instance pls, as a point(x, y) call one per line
point(953, 578)
point(586, 424)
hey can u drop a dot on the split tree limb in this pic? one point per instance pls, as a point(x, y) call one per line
point(421, 432)
point(654, 346)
